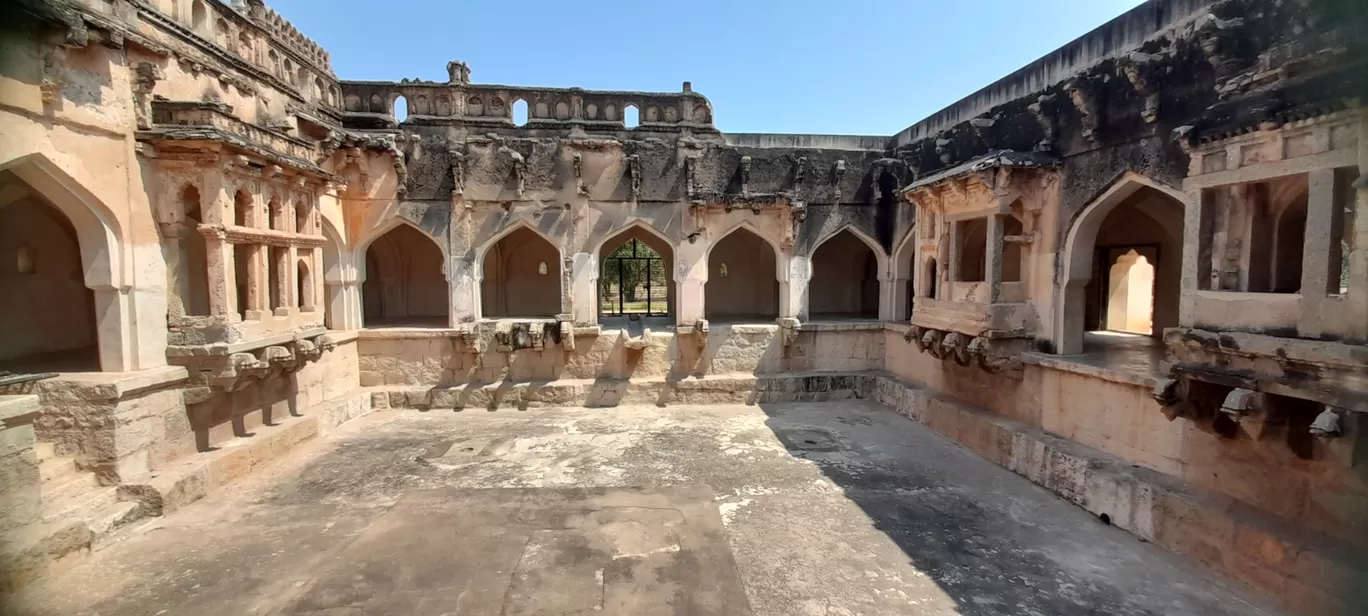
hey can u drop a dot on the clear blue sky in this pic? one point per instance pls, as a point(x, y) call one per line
point(783, 66)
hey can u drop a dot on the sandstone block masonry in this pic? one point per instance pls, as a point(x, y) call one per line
point(1133, 270)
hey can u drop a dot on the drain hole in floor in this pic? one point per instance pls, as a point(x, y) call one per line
point(807, 439)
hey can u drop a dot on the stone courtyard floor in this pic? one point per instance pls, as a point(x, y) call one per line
point(786, 509)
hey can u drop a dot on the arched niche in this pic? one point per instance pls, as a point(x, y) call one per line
point(743, 285)
point(845, 279)
point(405, 284)
point(522, 277)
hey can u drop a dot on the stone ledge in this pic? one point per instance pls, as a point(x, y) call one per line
point(1309, 573)
point(17, 410)
point(597, 393)
point(166, 490)
point(841, 326)
point(1058, 362)
point(118, 385)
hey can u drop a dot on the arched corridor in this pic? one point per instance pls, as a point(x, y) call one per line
point(742, 279)
point(404, 282)
point(522, 277)
point(845, 279)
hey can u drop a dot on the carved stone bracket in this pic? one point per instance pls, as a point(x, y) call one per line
point(1044, 111)
point(1086, 105)
point(1136, 68)
point(567, 335)
point(145, 78)
point(788, 331)
point(700, 335)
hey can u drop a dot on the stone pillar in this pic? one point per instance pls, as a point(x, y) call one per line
point(291, 280)
point(993, 256)
point(1192, 259)
point(258, 295)
point(1358, 256)
point(691, 279)
point(178, 286)
point(793, 286)
point(222, 277)
point(584, 274)
point(1320, 224)
point(280, 262)
point(463, 283)
point(344, 297)
point(894, 298)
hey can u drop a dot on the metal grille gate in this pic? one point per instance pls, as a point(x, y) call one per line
point(633, 281)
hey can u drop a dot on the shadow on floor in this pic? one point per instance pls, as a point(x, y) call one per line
point(980, 532)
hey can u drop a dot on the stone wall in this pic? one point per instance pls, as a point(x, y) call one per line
point(439, 359)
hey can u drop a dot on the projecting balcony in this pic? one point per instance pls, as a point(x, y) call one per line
point(195, 121)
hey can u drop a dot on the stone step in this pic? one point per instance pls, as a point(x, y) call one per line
point(45, 451)
point(52, 469)
point(77, 504)
point(104, 522)
point(60, 475)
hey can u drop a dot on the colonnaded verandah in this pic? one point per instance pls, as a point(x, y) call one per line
point(1131, 272)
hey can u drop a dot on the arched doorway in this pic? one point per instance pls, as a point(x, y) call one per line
point(1134, 216)
point(635, 275)
point(522, 277)
point(404, 284)
point(47, 314)
point(743, 285)
point(845, 279)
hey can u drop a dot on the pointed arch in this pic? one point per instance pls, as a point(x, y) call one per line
point(97, 228)
point(864, 237)
point(780, 270)
point(404, 280)
point(1080, 246)
point(902, 276)
point(635, 271)
point(378, 231)
point(847, 276)
point(737, 287)
point(518, 280)
point(129, 335)
point(520, 223)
